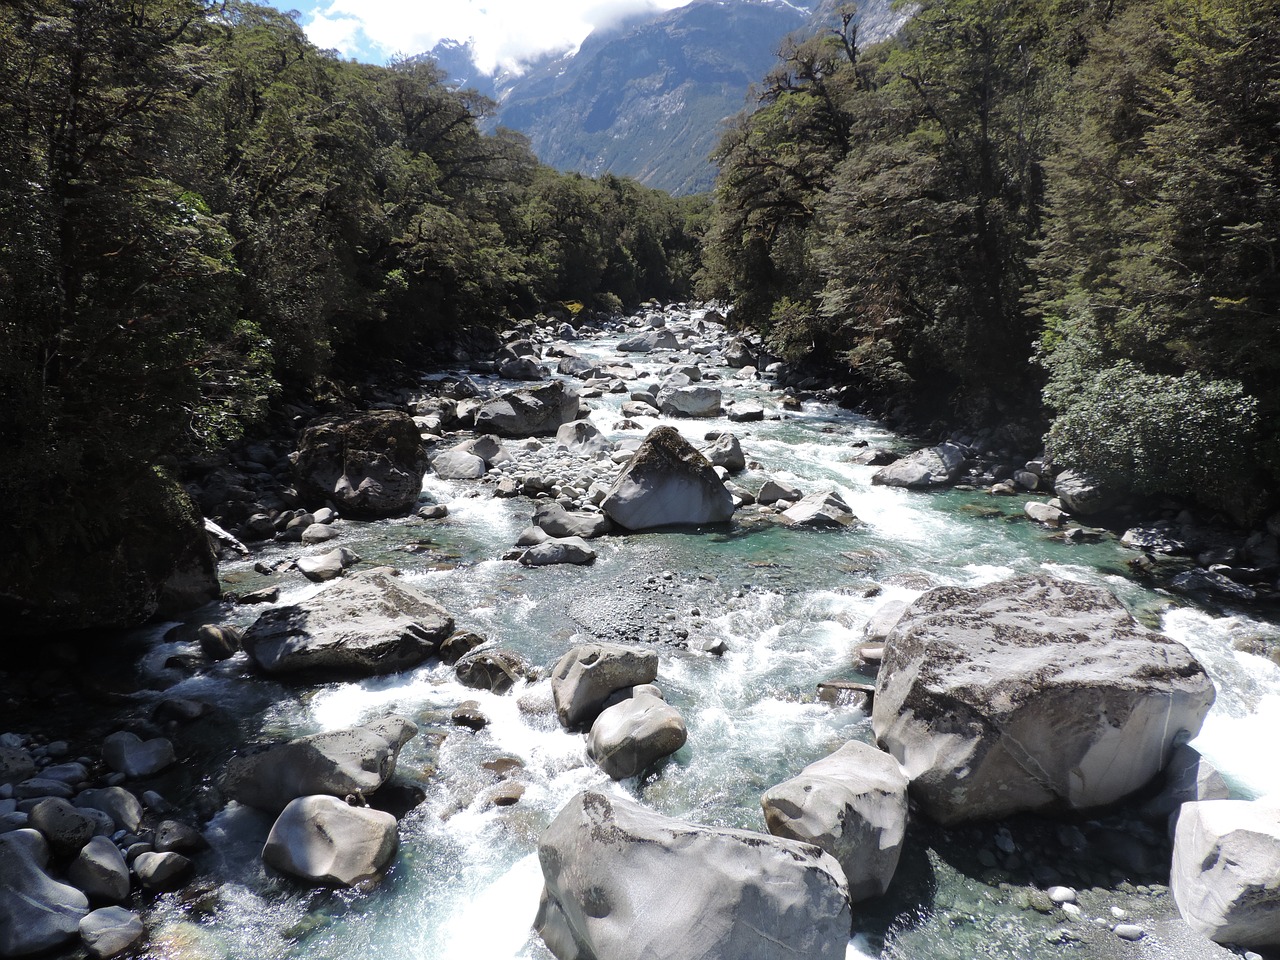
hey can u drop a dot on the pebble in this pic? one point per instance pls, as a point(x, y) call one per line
point(1062, 895)
point(1130, 931)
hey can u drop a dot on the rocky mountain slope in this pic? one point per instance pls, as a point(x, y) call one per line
point(647, 98)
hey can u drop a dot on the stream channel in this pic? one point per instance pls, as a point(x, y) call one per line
point(791, 606)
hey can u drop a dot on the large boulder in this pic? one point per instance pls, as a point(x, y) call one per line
point(666, 483)
point(369, 465)
point(1084, 496)
point(852, 804)
point(458, 464)
point(820, 511)
point(339, 763)
point(649, 341)
point(1226, 871)
point(688, 399)
point(535, 412)
point(323, 840)
point(368, 624)
point(554, 551)
point(627, 883)
point(634, 733)
point(725, 451)
point(1031, 694)
point(584, 678)
point(556, 521)
point(37, 913)
point(582, 436)
point(931, 467)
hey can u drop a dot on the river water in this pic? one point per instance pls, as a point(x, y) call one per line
point(791, 606)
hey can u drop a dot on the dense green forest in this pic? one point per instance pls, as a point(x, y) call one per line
point(199, 211)
point(1073, 203)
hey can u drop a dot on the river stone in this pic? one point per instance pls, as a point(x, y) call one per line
point(172, 835)
point(650, 340)
point(1032, 694)
point(110, 931)
point(521, 368)
point(725, 451)
point(161, 872)
point(820, 511)
point(535, 412)
point(558, 522)
point(852, 804)
point(627, 883)
point(1083, 496)
point(584, 678)
point(582, 436)
point(129, 754)
point(931, 467)
point(458, 645)
point(37, 913)
point(219, 642)
point(322, 567)
point(689, 401)
point(100, 872)
point(323, 840)
point(1226, 871)
point(1044, 513)
point(775, 490)
point(634, 733)
point(665, 483)
point(455, 464)
point(738, 354)
point(368, 624)
point(558, 550)
point(1187, 778)
point(117, 802)
point(66, 827)
point(318, 533)
point(370, 465)
point(496, 670)
point(357, 760)
point(16, 765)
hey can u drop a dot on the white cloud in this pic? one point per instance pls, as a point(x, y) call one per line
point(504, 31)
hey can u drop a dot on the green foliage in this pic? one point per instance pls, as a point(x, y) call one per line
point(1155, 433)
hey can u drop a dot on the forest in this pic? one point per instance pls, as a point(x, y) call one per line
point(1064, 209)
point(200, 213)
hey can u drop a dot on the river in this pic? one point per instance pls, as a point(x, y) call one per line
point(790, 605)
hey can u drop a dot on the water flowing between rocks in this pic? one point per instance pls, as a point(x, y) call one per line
point(790, 605)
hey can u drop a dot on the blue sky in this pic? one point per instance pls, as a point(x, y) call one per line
point(504, 31)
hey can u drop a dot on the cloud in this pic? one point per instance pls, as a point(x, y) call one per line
point(504, 32)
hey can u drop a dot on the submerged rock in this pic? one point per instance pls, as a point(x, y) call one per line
point(626, 883)
point(1226, 871)
point(368, 624)
point(369, 465)
point(1032, 694)
point(323, 840)
point(852, 804)
point(666, 483)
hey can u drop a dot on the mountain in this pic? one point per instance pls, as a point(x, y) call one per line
point(647, 98)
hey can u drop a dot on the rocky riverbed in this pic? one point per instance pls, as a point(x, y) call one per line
point(390, 735)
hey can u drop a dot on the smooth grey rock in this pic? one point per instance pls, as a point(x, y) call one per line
point(37, 913)
point(357, 760)
point(1226, 871)
point(725, 451)
point(110, 931)
point(633, 734)
point(219, 642)
point(457, 464)
point(1043, 513)
point(134, 757)
point(667, 483)
point(367, 624)
point(1187, 778)
point(161, 872)
point(1032, 694)
point(558, 550)
point(117, 802)
point(323, 840)
point(495, 669)
point(820, 511)
point(931, 467)
point(529, 413)
point(690, 401)
point(318, 533)
point(1084, 496)
point(884, 620)
point(584, 678)
point(65, 827)
point(174, 836)
point(626, 883)
point(100, 872)
point(852, 804)
point(16, 765)
point(582, 436)
point(745, 413)
point(558, 522)
point(650, 340)
point(322, 567)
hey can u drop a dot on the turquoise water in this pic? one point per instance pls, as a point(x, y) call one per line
point(791, 606)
